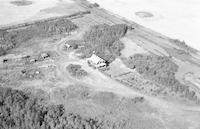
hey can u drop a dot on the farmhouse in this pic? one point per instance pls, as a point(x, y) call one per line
point(97, 61)
point(44, 55)
point(67, 45)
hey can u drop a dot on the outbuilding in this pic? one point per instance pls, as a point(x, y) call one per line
point(71, 44)
point(33, 60)
point(44, 55)
point(67, 45)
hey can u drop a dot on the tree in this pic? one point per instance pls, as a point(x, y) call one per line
point(160, 70)
point(19, 110)
point(42, 29)
point(104, 40)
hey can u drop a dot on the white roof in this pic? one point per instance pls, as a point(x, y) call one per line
point(67, 44)
point(44, 54)
point(94, 58)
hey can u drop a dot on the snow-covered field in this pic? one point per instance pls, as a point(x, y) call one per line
point(10, 13)
point(174, 18)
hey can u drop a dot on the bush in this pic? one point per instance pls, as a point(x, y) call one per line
point(95, 5)
point(153, 66)
point(76, 71)
point(21, 2)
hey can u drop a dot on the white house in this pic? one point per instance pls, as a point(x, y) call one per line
point(67, 45)
point(97, 61)
point(44, 55)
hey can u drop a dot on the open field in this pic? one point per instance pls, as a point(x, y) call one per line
point(11, 13)
point(177, 19)
point(50, 83)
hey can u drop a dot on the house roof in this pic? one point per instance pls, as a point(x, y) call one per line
point(96, 59)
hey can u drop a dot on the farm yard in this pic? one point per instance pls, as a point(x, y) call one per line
point(90, 69)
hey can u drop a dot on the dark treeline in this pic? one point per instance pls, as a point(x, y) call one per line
point(183, 45)
point(9, 39)
point(19, 110)
point(104, 40)
point(160, 70)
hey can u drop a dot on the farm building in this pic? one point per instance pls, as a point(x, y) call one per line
point(97, 61)
point(73, 44)
point(44, 55)
point(67, 45)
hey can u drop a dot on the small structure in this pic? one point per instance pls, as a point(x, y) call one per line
point(131, 27)
point(67, 45)
point(37, 72)
point(71, 44)
point(31, 73)
point(33, 60)
point(97, 61)
point(44, 55)
point(5, 60)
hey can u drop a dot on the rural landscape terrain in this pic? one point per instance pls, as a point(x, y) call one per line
point(83, 67)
